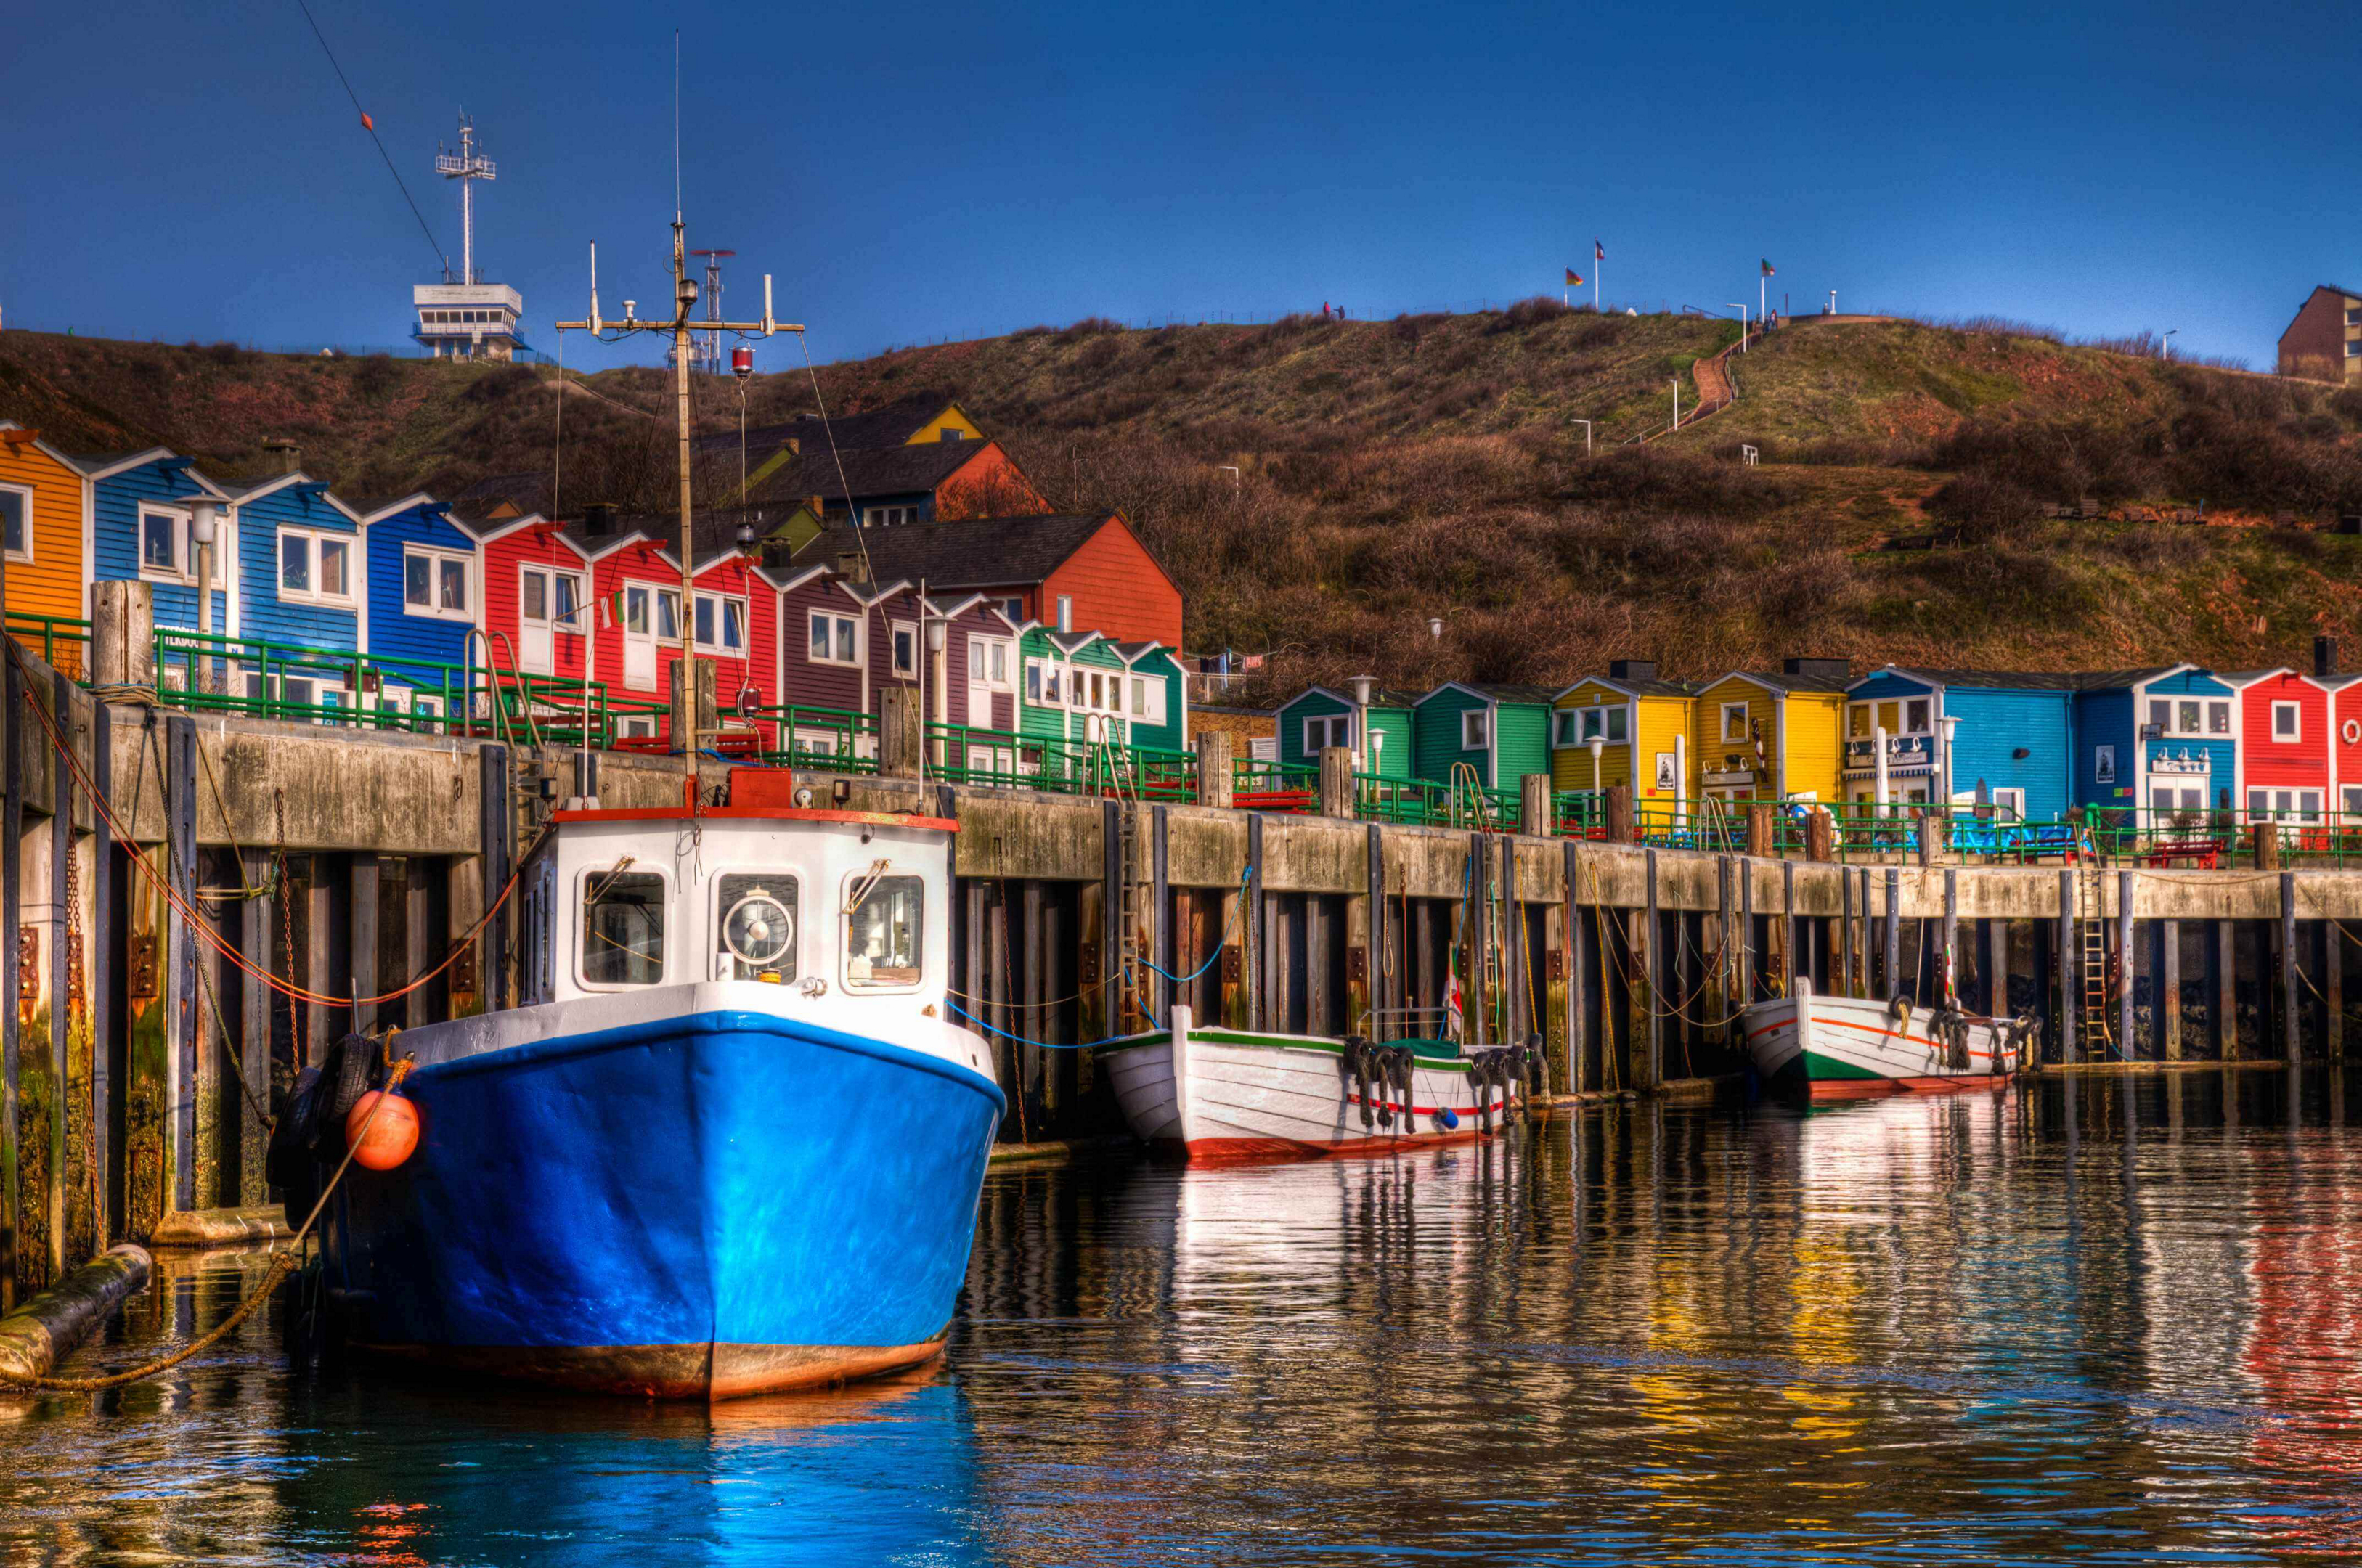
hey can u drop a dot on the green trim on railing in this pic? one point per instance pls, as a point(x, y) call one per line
point(46, 634)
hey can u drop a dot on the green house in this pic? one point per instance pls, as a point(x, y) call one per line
point(1376, 724)
point(1501, 731)
point(1081, 686)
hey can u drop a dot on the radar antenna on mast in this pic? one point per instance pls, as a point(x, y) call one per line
point(708, 358)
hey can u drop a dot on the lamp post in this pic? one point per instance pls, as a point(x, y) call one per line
point(2165, 344)
point(1587, 434)
point(204, 517)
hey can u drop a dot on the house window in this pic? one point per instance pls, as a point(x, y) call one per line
point(1915, 715)
point(1012, 610)
point(1734, 721)
point(889, 516)
point(165, 555)
point(1617, 721)
point(1858, 722)
point(2218, 718)
point(1563, 724)
point(316, 568)
point(1065, 612)
point(2287, 722)
point(1475, 729)
point(17, 522)
point(2104, 765)
point(722, 624)
point(669, 615)
point(906, 650)
point(2010, 804)
point(836, 639)
point(2354, 799)
point(1334, 729)
point(2353, 347)
point(434, 583)
point(2160, 713)
point(2186, 715)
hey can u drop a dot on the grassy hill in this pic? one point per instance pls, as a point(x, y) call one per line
point(1323, 488)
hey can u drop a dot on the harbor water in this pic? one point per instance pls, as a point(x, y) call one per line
point(2113, 1320)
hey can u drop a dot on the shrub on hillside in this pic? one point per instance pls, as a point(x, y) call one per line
point(1090, 326)
point(1529, 312)
point(1984, 504)
point(1648, 478)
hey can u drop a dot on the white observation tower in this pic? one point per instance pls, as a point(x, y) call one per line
point(468, 319)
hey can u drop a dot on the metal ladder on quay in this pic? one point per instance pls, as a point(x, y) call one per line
point(2092, 937)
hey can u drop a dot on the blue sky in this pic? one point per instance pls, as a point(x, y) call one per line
point(922, 171)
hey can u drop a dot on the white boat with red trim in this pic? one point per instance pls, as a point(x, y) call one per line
point(1834, 1047)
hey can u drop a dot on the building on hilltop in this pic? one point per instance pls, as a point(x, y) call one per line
point(467, 318)
point(2324, 342)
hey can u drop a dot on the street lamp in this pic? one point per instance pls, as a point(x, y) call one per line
point(1740, 306)
point(2165, 344)
point(204, 515)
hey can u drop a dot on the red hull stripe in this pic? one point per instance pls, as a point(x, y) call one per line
point(1865, 1029)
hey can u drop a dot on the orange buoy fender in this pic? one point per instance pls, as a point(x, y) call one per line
point(390, 1139)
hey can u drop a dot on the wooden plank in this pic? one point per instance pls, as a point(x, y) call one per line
point(1647, 968)
point(2169, 989)
point(1032, 989)
point(495, 830)
point(2291, 1037)
point(363, 883)
point(2224, 991)
point(1894, 946)
point(12, 918)
point(254, 995)
point(1513, 921)
point(2127, 950)
point(2070, 1001)
point(1950, 980)
point(181, 999)
point(1578, 987)
point(103, 933)
point(1253, 916)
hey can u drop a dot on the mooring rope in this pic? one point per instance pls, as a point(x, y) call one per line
point(281, 1262)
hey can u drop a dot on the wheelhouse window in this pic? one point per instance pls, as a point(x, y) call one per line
point(755, 927)
point(434, 583)
point(883, 933)
point(623, 928)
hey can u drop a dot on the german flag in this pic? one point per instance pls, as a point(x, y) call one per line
point(1573, 279)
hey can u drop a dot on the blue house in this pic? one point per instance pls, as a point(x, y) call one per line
point(1948, 731)
point(140, 530)
point(301, 568)
point(426, 582)
point(2157, 740)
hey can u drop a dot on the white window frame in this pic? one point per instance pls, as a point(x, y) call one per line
point(2011, 800)
point(1927, 725)
point(722, 603)
point(182, 573)
point(834, 618)
point(1475, 729)
point(845, 931)
point(582, 880)
point(2218, 707)
point(312, 539)
point(24, 494)
point(2295, 735)
point(437, 559)
point(1326, 726)
point(1728, 708)
point(1563, 726)
point(895, 632)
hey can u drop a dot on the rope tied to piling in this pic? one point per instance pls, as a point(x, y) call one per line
point(281, 1262)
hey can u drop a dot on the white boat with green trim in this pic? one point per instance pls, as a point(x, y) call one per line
point(1836, 1047)
point(1231, 1094)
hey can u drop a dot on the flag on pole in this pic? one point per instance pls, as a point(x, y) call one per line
point(1456, 1020)
point(1767, 269)
point(1573, 279)
point(1597, 254)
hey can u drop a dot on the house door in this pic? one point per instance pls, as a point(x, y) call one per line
point(2171, 794)
point(639, 639)
point(989, 665)
point(537, 632)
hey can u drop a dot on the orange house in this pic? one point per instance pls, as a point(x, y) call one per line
point(44, 524)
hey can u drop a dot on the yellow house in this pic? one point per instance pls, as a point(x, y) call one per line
point(1630, 713)
point(44, 528)
point(1771, 738)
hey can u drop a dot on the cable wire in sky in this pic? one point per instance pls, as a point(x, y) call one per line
point(369, 126)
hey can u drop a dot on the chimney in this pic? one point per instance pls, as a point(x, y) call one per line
point(848, 567)
point(599, 519)
point(2325, 656)
point(1631, 669)
point(1822, 668)
point(1362, 686)
point(290, 454)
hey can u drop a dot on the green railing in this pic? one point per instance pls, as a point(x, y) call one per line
point(963, 754)
point(1415, 802)
point(293, 684)
point(62, 640)
point(833, 740)
point(1257, 785)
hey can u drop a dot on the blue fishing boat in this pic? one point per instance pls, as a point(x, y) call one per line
point(728, 1142)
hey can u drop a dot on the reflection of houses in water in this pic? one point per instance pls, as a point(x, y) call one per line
point(2307, 1283)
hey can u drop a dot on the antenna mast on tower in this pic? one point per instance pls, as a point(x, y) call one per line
point(709, 359)
point(466, 166)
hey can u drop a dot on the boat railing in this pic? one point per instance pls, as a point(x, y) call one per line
point(1383, 1024)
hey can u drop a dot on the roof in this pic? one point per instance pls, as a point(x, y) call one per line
point(2027, 680)
point(1380, 697)
point(860, 474)
point(1541, 695)
point(1650, 688)
point(525, 492)
point(984, 553)
point(1781, 681)
point(871, 430)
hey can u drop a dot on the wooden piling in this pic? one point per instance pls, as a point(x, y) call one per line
point(2069, 998)
point(2223, 991)
point(180, 1001)
point(1790, 969)
point(102, 931)
point(1948, 980)
point(2292, 1039)
point(1647, 966)
point(1253, 927)
point(1160, 915)
point(495, 822)
point(1515, 973)
point(1112, 872)
point(1366, 935)
point(1893, 947)
point(1578, 981)
point(2127, 948)
point(14, 1201)
point(2169, 989)
point(254, 1024)
point(364, 897)
point(1033, 990)
point(1846, 986)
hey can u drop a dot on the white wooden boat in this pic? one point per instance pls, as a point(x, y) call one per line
point(1857, 1047)
point(1228, 1094)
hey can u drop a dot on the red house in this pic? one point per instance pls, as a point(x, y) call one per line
point(2346, 757)
point(634, 589)
point(536, 595)
point(1079, 572)
point(2284, 744)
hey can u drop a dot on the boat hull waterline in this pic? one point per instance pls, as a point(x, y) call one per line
point(1833, 1048)
point(706, 1206)
point(1237, 1096)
